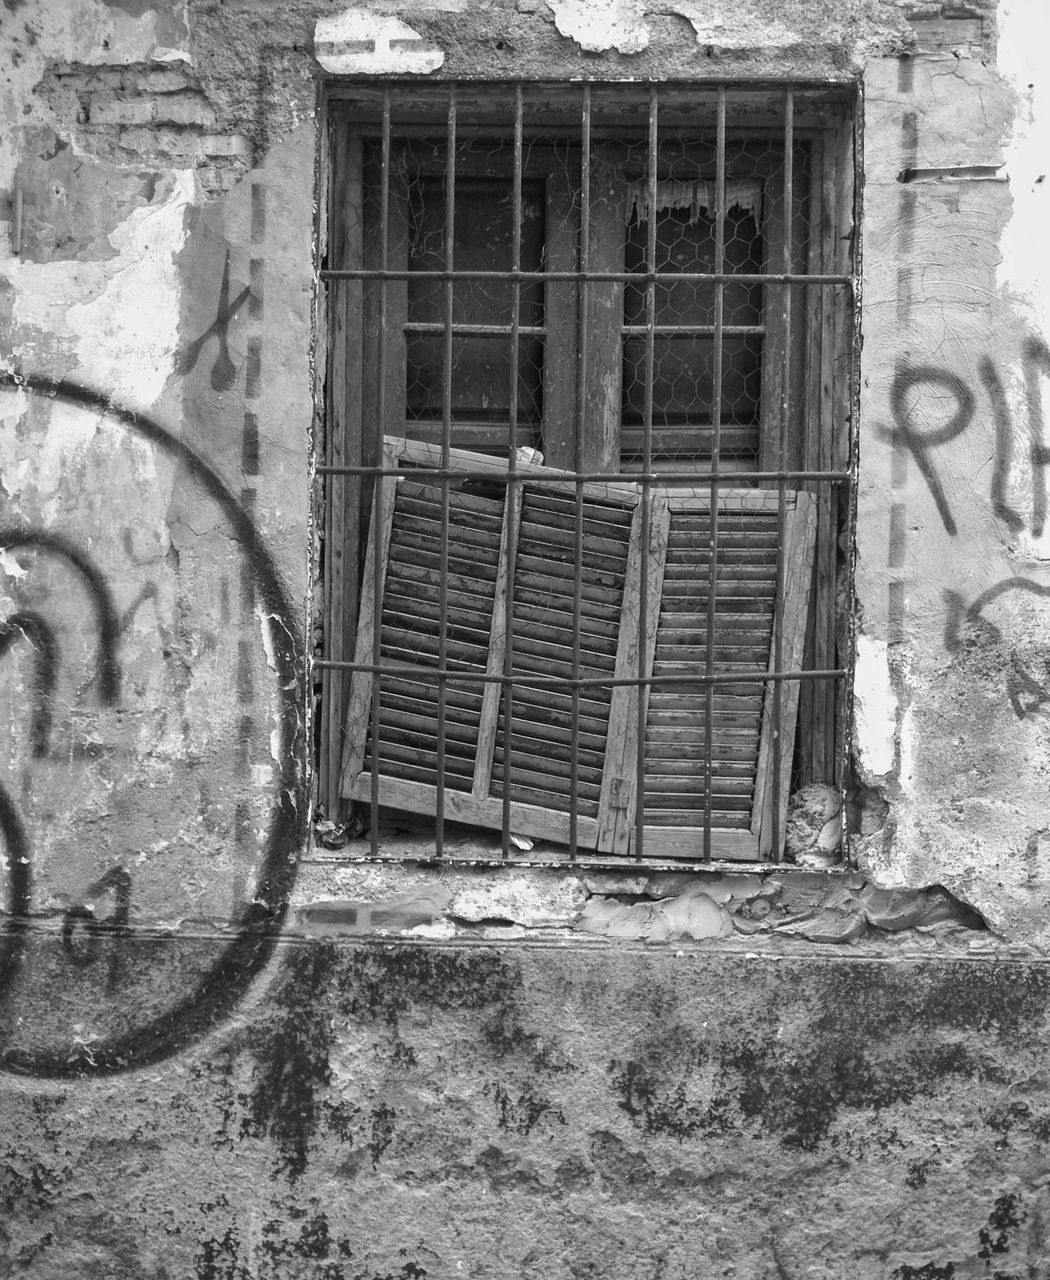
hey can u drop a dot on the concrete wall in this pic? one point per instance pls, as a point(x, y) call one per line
point(230, 1051)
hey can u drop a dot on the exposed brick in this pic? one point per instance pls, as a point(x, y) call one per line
point(127, 111)
point(167, 80)
point(157, 142)
point(234, 144)
point(185, 108)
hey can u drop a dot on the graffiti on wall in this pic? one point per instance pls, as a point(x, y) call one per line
point(1027, 669)
point(925, 394)
point(117, 714)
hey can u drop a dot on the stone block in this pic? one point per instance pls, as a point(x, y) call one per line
point(121, 111)
point(232, 144)
point(185, 109)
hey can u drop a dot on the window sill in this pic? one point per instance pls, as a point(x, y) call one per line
point(473, 897)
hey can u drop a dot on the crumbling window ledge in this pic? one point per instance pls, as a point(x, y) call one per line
point(465, 899)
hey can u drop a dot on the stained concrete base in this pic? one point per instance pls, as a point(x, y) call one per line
point(377, 1109)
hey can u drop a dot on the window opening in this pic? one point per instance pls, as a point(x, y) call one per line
point(587, 465)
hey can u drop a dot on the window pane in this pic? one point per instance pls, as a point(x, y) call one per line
point(683, 366)
point(483, 233)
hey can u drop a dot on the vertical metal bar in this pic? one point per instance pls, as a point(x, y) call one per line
point(512, 464)
point(779, 745)
point(446, 446)
point(716, 445)
point(579, 447)
point(851, 336)
point(380, 480)
point(647, 457)
point(334, 488)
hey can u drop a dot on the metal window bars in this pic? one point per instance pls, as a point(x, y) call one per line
point(654, 287)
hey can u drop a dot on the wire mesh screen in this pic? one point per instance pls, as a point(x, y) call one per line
point(587, 470)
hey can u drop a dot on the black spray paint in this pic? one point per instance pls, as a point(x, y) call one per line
point(255, 931)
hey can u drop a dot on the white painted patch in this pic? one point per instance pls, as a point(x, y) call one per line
point(722, 26)
point(598, 25)
point(360, 42)
point(163, 54)
point(1024, 35)
point(127, 336)
point(875, 706)
point(9, 565)
point(33, 465)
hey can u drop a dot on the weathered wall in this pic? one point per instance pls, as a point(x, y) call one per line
point(412, 1073)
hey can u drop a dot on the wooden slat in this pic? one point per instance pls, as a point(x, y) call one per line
point(600, 413)
point(527, 819)
point(555, 743)
point(634, 658)
point(679, 735)
point(561, 315)
point(498, 646)
point(359, 709)
point(417, 696)
point(548, 532)
point(688, 843)
point(535, 772)
point(798, 574)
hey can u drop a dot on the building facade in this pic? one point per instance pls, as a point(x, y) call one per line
point(365, 920)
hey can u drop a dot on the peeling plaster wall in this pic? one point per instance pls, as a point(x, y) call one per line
point(229, 1050)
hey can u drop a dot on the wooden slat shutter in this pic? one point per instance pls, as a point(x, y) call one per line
point(405, 536)
point(677, 735)
point(623, 539)
point(653, 553)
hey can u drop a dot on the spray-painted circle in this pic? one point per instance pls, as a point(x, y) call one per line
point(223, 965)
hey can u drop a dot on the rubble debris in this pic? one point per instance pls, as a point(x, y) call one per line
point(814, 826)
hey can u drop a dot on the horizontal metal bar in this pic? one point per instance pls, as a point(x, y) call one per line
point(692, 330)
point(608, 277)
point(615, 86)
point(543, 860)
point(538, 330)
point(662, 478)
point(475, 330)
point(547, 681)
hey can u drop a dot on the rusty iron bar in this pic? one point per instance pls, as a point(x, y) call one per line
point(375, 726)
point(545, 680)
point(507, 699)
point(596, 277)
point(556, 477)
point(645, 514)
point(716, 418)
point(446, 449)
point(583, 302)
point(778, 747)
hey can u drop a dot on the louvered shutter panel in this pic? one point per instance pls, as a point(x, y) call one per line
point(639, 555)
point(622, 542)
point(406, 536)
point(736, 797)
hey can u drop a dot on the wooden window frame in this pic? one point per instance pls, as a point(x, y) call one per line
point(581, 414)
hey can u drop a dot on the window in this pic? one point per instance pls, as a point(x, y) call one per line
point(586, 471)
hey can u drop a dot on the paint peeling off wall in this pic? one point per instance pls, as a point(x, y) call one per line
point(128, 335)
point(230, 1053)
point(875, 708)
point(597, 25)
point(360, 42)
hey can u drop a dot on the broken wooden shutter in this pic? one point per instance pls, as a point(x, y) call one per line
point(736, 797)
point(623, 539)
point(638, 553)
